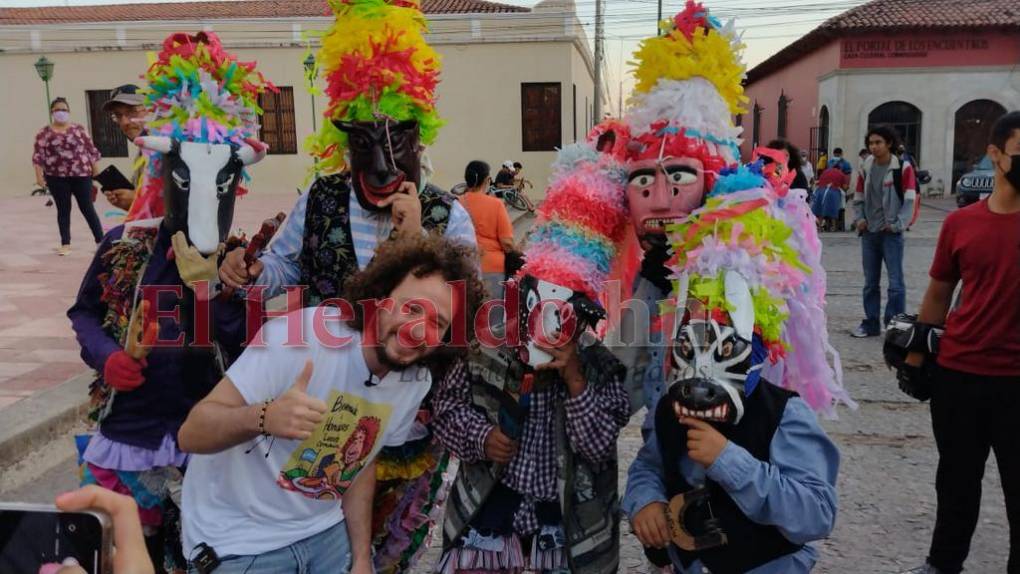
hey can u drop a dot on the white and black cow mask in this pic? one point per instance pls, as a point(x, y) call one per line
point(199, 186)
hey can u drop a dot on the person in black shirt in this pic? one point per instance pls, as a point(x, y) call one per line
point(505, 177)
point(793, 164)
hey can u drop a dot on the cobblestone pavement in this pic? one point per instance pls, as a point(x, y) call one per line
point(887, 475)
point(886, 481)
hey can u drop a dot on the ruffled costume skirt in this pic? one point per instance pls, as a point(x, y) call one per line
point(153, 478)
point(413, 482)
point(491, 545)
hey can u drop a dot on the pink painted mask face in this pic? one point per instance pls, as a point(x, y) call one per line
point(663, 192)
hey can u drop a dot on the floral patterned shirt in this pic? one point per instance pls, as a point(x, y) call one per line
point(68, 154)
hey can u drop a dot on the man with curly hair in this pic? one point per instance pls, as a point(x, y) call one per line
point(289, 403)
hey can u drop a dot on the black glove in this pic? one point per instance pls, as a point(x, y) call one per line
point(914, 381)
point(653, 264)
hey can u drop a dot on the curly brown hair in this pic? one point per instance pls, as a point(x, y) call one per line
point(421, 256)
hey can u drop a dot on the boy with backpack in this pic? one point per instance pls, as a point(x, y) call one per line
point(883, 204)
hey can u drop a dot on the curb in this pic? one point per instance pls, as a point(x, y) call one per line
point(39, 419)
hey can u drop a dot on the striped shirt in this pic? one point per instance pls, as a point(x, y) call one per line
point(282, 265)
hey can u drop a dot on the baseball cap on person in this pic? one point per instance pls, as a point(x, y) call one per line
point(127, 94)
point(509, 164)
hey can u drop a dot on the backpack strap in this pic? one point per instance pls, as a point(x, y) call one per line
point(897, 178)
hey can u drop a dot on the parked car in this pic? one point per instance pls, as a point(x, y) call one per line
point(976, 184)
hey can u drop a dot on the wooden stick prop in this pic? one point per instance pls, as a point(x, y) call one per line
point(258, 242)
point(141, 333)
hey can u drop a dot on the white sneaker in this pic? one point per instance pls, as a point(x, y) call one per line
point(64, 250)
point(861, 333)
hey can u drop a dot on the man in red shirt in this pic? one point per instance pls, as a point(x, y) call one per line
point(975, 386)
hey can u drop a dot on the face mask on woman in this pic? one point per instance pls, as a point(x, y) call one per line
point(61, 116)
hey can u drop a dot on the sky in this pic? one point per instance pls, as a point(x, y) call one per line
point(767, 25)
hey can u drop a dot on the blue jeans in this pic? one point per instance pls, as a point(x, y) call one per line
point(328, 552)
point(875, 248)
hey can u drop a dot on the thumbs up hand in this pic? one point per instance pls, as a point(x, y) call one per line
point(295, 414)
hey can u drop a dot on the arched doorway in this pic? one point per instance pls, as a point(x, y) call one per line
point(820, 136)
point(973, 127)
point(905, 118)
point(823, 130)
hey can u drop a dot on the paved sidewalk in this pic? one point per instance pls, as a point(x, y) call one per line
point(37, 347)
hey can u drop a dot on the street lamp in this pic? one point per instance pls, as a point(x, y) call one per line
point(311, 73)
point(44, 68)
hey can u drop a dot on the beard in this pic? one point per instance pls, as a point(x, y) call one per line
point(390, 362)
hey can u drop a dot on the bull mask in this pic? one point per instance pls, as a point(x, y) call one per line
point(199, 186)
point(383, 155)
point(548, 314)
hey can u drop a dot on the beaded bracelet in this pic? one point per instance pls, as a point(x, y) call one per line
point(262, 417)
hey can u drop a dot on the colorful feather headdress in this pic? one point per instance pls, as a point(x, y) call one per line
point(581, 222)
point(688, 90)
point(752, 224)
point(198, 92)
point(377, 65)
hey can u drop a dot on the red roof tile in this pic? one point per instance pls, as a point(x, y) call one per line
point(221, 9)
point(885, 14)
point(898, 15)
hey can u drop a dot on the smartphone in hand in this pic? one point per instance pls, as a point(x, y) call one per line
point(38, 538)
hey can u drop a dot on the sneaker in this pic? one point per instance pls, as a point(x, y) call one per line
point(861, 333)
point(64, 250)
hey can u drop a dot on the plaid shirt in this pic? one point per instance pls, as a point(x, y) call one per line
point(594, 419)
point(458, 426)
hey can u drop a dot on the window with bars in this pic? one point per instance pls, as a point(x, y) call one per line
point(541, 122)
point(782, 109)
point(109, 140)
point(575, 113)
point(756, 125)
point(278, 126)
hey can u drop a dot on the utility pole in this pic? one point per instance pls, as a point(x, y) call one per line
point(599, 54)
point(658, 31)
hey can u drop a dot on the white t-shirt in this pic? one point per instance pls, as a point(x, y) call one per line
point(269, 493)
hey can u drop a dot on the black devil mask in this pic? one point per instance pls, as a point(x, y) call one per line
point(199, 186)
point(383, 155)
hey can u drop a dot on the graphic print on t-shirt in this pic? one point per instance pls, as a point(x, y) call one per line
point(326, 463)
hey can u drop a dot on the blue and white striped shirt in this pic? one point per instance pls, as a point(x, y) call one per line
point(282, 265)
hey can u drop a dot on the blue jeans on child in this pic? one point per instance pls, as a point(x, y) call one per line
point(876, 248)
point(328, 552)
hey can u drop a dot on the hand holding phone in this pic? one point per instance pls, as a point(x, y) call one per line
point(40, 539)
point(82, 529)
point(131, 556)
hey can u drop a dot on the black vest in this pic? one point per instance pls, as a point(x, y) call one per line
point(749, 544)
point(327, 253)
